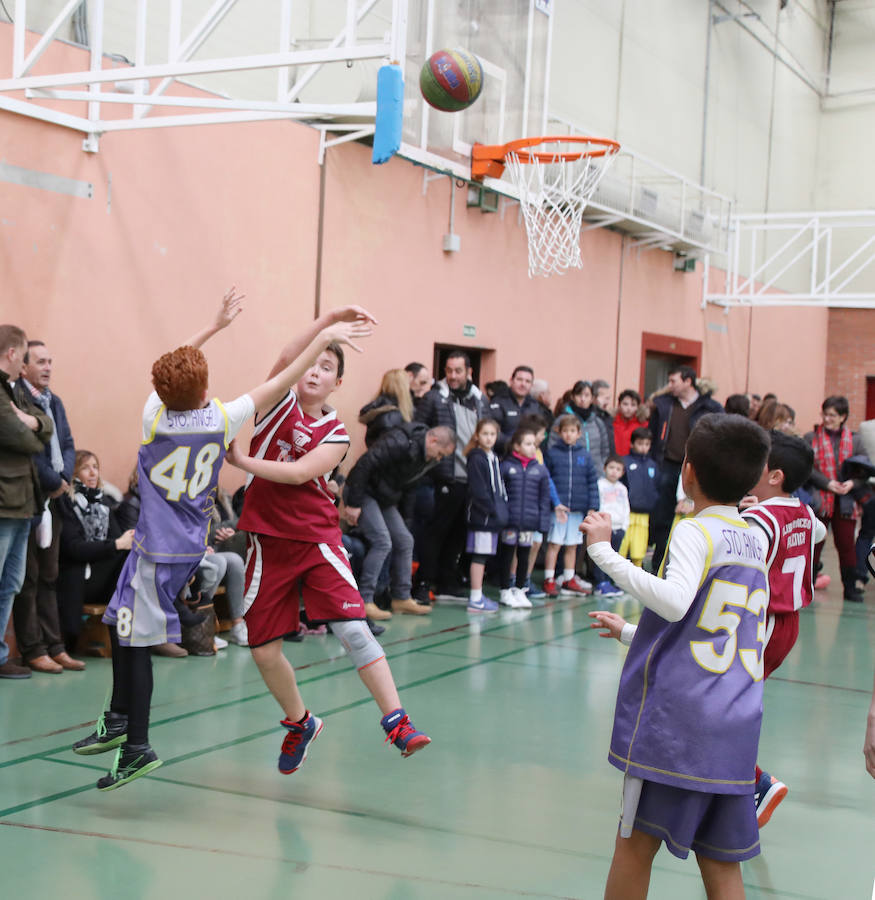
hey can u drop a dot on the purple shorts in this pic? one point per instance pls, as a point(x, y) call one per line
point(482, 543)
point(142, 607)
point(718, 826)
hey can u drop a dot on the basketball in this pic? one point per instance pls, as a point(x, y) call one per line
point(451, 80)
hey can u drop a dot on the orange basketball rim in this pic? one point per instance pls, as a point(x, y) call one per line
point(489, 159)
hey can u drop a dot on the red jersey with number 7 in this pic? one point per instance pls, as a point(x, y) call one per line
point(790, 526)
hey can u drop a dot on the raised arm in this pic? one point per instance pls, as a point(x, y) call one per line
point(670, 597)
point(232, 306)
point(267, 395)
point(300, 342)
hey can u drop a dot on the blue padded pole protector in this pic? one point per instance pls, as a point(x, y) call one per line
point(390, 113)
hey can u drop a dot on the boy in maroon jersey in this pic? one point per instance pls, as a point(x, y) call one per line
point(295, 545)
point(792, 530)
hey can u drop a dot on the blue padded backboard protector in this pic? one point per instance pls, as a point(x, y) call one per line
point(390, 113)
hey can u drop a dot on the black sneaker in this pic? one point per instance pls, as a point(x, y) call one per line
point(130, 762)
point(421, 594)
point(109, 733)
point(452, 591)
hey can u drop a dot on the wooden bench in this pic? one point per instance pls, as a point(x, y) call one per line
point(94, 637)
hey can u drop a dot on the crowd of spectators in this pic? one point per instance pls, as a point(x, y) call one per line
point(458, 488)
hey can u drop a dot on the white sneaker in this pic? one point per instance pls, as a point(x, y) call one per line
point(219, 643)
point(507, 598)
point(522, 601)
point(239, 634)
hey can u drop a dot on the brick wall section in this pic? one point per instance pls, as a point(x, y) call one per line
point(850, 357)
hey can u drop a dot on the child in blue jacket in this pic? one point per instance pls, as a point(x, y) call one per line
point(577, 484)
point(487, 508)
point(529, 507)
point(642, 481)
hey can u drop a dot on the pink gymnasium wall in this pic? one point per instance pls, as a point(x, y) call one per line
point(178, 215)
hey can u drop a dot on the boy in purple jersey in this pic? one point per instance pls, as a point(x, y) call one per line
point(689, 706)
point(184, 441)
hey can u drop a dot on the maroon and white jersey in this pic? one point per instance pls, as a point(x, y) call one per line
point(301, 512)
point(790, 527)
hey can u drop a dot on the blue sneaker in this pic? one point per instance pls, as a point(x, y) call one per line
point(402, 734)
point(297, 742)
point(532, 592)
point(483, 605)
point(606, 589)
point(769, 793)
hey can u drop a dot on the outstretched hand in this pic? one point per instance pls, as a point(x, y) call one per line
point(232, 306)
point(611, 621)
point(352, 313)
point(346, 332)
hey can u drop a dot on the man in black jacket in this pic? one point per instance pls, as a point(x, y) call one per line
point(373, 490)
point(509, 409)
point(24, 430)
point(37, 626)
point(457, 403)
point(674, 416)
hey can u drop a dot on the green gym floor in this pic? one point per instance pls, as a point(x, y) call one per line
point(514, 798)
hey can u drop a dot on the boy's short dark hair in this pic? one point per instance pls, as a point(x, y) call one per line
point(836, 402)
point(568, 421)
point(520, 433)
point(535, 422)
point(629, 393)
point(728, 454)
point(793, 457)
point(737, 404)
point(641, 434)
point(614, 458)
point(337, 350)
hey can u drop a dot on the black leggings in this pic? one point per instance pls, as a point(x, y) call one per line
point(132, 687)
point(505, 560)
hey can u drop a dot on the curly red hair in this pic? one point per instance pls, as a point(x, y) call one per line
point(181, 378)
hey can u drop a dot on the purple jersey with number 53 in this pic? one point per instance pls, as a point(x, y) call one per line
point(178, 468)
point(689, 707)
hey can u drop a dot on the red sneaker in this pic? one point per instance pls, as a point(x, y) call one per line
point(576, 587)
point(822, 582)
point(549, 587)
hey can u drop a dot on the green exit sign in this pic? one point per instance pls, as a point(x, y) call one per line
point(469, 331)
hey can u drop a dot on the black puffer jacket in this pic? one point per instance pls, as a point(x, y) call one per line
point(459, 410)
point(379, 416)
point(389, 467)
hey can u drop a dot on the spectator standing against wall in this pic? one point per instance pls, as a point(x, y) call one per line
point(35, 611)
point(455, 402)
point(674, 416)
point(508, 409)
point(626, 421)
point(24, 431)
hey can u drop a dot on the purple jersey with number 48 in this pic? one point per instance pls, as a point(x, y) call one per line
point(689, 706)
point(178, 468)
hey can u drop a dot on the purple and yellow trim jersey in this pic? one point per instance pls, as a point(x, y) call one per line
point(178, 469)
point(689, 706)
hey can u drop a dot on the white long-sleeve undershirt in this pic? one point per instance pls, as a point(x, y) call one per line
point(668, 597)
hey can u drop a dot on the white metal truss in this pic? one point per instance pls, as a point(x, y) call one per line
point(820, 259)
point(129, 84)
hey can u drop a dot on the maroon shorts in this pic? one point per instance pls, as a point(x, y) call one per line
point(783, 637)
point(280, 573)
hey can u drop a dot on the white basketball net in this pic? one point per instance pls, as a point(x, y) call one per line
point(553, 196)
